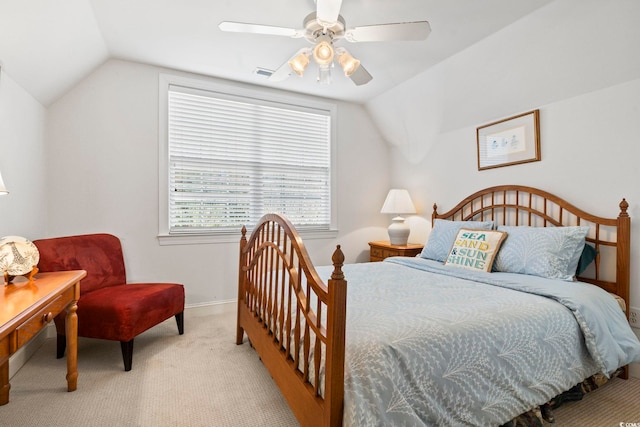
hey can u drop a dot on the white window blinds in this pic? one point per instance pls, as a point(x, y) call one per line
point(232, 159)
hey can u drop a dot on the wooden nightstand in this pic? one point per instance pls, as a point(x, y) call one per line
point(383, 249)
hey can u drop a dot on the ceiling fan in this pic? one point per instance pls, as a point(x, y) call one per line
point(322, 29)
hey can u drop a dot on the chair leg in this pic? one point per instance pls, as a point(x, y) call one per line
point(127, 354)
point(180, 322)
point(61, 344)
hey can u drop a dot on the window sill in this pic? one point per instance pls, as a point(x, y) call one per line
point(207, 239)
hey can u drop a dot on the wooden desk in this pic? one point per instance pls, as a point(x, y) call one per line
point(27, 307)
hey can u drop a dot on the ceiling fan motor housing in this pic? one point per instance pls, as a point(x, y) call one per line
point(314, 28)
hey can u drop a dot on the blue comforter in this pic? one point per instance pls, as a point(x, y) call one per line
point(466, 348)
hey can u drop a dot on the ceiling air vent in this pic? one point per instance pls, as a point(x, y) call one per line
point(263, 72)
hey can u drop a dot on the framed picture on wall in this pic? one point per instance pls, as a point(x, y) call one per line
point(510, 141)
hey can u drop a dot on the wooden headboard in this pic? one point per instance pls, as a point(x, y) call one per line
point(528, 206)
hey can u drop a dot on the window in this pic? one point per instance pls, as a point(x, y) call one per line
point(231, 155)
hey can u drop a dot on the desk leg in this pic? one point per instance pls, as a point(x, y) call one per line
point(4, 383)
point(71, 332)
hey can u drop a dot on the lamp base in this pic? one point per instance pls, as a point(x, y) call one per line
point(398, 232)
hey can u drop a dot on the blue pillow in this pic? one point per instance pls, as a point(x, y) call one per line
point(589, 253)
point(551, 252)
point(443, 235)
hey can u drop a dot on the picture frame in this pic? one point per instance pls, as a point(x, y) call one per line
point(510, 141)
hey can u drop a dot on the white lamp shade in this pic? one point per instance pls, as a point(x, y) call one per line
point(3, 189)
point(398, 202)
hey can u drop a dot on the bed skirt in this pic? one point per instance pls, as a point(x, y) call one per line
point(544, 413)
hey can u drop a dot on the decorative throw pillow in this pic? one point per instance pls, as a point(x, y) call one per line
point(475, 249)
point(443, 235)
point(589, 253)
point(551, 252)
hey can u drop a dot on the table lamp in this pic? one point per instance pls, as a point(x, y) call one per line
point(398, 202)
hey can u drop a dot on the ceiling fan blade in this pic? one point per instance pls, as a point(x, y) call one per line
point(241, 27)
point(327, 11)
point(389, 32)
point(282, 73)
point(360, 76)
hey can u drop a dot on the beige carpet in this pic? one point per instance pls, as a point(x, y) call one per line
point(198, 379)
point(202, 379)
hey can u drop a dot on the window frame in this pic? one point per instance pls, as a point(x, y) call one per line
point(248, 92)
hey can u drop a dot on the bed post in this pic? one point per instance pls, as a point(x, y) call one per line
point(623, 252)
point(241, 284)
point(336, 324)
point(623, 261)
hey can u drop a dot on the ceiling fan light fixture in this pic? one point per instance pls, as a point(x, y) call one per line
point(322, 28)
point(324, 75)
point(299, 63)
point(348, 63)
point(323, 50)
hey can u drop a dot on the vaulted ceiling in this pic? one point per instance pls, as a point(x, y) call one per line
point(48, 46)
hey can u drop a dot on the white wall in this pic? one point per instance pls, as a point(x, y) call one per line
point(102, 152)
point(576, 61)
point(22, 162)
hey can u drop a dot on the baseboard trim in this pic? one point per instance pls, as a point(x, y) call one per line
point(208, 308)
point(21, 356)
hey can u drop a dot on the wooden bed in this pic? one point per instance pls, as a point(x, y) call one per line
point(296, 323)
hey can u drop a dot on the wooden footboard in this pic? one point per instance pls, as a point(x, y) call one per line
point(295, 322)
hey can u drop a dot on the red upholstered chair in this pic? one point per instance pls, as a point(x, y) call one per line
point(108, 307)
